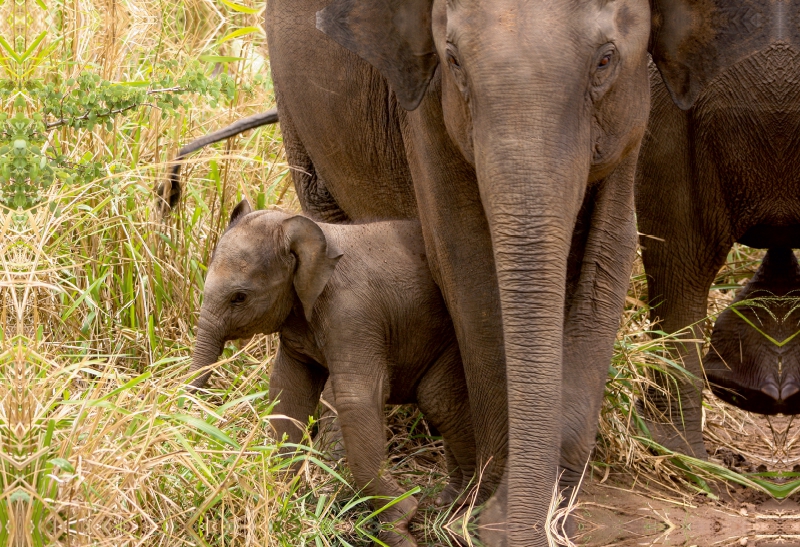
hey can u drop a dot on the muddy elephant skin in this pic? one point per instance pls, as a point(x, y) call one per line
point(355, 304)
point(722, 152)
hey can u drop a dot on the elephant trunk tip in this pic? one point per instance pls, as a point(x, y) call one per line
point(207, 349)
point(199, 383)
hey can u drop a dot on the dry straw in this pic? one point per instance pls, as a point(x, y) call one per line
point(98, 442)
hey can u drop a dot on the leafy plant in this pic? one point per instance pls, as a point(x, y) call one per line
point(46, 111)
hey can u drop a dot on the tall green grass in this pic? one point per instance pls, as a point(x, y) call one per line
point(99, 445)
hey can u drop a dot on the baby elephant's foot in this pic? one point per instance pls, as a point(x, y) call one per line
point(395, 522)
point(396, 538)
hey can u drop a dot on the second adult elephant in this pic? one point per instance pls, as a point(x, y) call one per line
point(721, 164)
point(524, 123)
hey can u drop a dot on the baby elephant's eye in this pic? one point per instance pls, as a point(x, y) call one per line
point(238, 298)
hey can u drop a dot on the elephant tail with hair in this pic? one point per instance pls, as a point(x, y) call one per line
point(169, 191)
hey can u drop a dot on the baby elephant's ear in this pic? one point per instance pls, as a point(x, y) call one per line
point(316, 260)
point(242, 208)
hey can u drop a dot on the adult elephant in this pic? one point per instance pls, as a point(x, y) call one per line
point(520, 126)
point(722, 152)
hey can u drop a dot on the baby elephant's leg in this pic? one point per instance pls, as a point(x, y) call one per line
point(360, 403)
point(328, 439)
point(297, 386)
point(442, 397)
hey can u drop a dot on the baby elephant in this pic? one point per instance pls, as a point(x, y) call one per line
point(355, 303)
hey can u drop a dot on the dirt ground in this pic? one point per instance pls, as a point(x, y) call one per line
point(625, 512)
point(611, 514)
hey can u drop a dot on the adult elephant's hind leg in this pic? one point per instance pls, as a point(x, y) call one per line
point(754, 358)
point(443, 398)
point(312, 192)
point(682, 217)
point(680, 271)
point(600, 262)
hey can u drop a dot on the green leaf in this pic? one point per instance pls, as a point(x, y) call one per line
point(62, 464)
point(219, 59)
point(240, 8)
point(133, 83)
point(240, 32)
point(221, 410)
point(10, 50)
point(20, 495)
point(778, 491)
point(205, 427)
point(395, 501)
point(28, 52)
point(195, 456)
point(147, 375)
point(761, 332)
point(85, 294)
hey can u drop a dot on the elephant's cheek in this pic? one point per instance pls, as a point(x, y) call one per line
point(457, 118)
point(618, 126)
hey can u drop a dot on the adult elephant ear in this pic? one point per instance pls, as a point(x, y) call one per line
point(692, 41)
point(394, 36)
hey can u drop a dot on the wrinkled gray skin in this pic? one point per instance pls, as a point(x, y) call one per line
point(743, 366)
point(722, 167)
point(525, 123)
point(355, 305)
point(519, 138)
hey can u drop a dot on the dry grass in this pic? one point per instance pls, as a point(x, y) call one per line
point(740, 444)
point(99, 298)
point(100, 446)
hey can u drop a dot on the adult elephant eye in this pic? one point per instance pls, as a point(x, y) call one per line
point(452, 61)
point(455, 69)
point(605, 69)
point(238, 298)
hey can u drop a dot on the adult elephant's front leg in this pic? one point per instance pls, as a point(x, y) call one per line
point(600, 263)
point(459, 248)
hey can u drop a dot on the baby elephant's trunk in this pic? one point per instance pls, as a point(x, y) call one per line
point(207, 349)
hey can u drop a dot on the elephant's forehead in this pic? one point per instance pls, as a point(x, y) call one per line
point(233, 258)
point(541, 23)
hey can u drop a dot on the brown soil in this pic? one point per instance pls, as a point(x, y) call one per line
point(625, 512)
point(615, 515)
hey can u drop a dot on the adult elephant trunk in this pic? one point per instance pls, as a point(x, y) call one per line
point(532, 162)
point(208, 347)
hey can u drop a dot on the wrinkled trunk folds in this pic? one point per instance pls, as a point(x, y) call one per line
point(208, 347)
point(532, 182)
